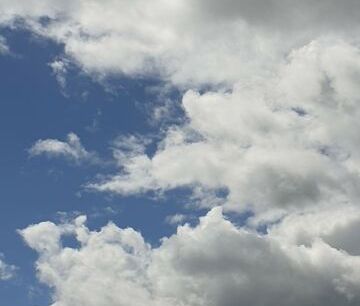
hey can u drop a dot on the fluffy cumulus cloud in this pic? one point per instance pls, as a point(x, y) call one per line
point(213, 263)
point(274, 136)
point(285, 145)
point(71, 149)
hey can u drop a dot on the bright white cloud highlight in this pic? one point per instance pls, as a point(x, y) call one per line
point(212, 264)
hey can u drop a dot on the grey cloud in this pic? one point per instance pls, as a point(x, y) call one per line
point(284, 15)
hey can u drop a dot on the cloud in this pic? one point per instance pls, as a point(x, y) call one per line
point(71, 149)
point(276, 147)
point(6, 271)
point(274, 136)
point(4, 48)
point(278, 137)
point(185, 42)
point(213, 263)
point(176, 219)
point(59, 68)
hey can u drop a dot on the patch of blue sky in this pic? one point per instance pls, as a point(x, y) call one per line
point(34, 106)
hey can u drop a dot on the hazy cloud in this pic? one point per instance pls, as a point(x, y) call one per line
point(6, 271)
point(176, 219)
point(4, 48)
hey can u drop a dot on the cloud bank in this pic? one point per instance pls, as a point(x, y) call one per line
point(214, 263)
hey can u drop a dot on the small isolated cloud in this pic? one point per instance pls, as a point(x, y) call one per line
point(6, 271)
point(59, 68)
point(176, 219)
point(214, 263)
point(71, 149)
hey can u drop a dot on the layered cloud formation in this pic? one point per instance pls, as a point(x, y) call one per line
point(275, 136)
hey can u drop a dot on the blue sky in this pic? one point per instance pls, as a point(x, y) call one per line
point(183, 153)
point(37, 189)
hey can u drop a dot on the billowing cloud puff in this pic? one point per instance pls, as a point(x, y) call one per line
point(214, 263)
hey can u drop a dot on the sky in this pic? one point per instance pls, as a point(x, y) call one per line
point(179, 153)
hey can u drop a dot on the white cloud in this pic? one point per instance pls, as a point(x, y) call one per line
point(214, 263)
point(59, 68)
point(280, 146)
point(71, 149)
point(282, 143)
point(186, 42)
point(6, 271)
point(176, 219)
point(282, 140)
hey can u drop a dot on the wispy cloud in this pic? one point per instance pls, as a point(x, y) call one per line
point(71, 149)
point(6, 271)
point(176, 219)
point(4, 48)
